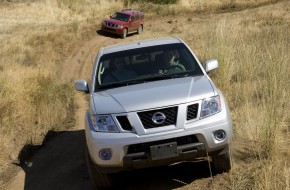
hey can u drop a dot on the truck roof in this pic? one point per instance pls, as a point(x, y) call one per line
point(129, 11)
point(139, 44)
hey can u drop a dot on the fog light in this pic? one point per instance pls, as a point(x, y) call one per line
point(105, 154)
point(220, 135)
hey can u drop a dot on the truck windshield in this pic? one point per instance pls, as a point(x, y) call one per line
point(146, 64)
point(120, 16)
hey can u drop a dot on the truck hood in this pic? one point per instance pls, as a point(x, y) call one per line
point(114, 21)
point(152, 95)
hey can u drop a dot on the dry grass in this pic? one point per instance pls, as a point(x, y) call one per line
point(199, 6)
point(253, 75)
point(252, 47)
point(36, 37)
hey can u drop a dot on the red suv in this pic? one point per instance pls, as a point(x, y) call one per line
point(124, 22)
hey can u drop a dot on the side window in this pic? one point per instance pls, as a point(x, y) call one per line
point(137, 17)
point(133, 18)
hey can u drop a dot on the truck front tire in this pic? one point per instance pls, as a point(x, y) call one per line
point(101, 180)
point(222, 163)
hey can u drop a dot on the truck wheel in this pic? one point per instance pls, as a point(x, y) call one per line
point(100, 180)
point(125, 32)
point(140, 29)
point(222, 163)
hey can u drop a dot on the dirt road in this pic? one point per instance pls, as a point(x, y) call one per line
point(61, 164)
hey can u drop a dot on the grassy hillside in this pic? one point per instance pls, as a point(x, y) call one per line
point(36, 38)
point(250, 39)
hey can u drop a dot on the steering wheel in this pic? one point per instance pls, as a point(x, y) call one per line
point(173, 67)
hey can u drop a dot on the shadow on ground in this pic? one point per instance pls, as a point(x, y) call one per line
point(109, 35)
point(61, 165)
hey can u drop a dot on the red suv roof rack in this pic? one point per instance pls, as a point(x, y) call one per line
point(127, 9)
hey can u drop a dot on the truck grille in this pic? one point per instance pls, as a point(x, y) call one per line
point(108, 24)
point(192, 111)
point(124, 123)
point(147, 117)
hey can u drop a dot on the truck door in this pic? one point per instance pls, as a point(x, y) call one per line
point(133, 24)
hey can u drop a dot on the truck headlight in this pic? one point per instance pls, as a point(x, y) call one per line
point(210, 106)
point(104, 123)
point(119, 26)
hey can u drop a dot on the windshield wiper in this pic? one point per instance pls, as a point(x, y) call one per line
point(158, 77)
point(169, 76)
point(107, 86)
point(119, 84)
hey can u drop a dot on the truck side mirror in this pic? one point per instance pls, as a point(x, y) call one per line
point(82, 85)
point(211, 65)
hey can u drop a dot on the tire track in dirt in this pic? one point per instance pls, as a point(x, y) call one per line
point(61, 164)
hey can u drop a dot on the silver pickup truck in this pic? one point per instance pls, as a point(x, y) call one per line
point(152, 103)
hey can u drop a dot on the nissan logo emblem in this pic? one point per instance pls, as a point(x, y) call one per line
point(158, 118)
